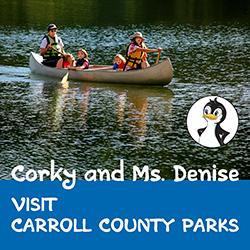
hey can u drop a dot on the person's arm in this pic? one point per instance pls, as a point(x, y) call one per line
point(149, 50)
point(44, 47)
point(61, 45)
point(43, 51)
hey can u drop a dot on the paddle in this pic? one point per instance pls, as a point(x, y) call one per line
point(158, 57)
point(65, 78)
point(59, 52)
point(64, 82)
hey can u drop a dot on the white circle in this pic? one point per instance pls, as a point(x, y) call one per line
point(210, 132)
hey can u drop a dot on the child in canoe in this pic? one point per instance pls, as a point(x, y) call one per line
point(136, 54)
point(67, 61)
point(119, 62)
point(82, 61)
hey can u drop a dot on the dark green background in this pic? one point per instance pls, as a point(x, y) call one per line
point(89, 12)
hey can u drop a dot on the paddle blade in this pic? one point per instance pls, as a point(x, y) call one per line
point(65, 78)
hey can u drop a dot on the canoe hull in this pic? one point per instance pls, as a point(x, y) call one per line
point(160, 74)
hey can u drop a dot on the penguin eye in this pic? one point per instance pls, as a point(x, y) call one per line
point(218, 112)
point(207, 110)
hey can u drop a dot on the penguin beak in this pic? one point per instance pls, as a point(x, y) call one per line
point(210, 116)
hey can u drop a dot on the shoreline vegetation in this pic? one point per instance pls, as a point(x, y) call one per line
point(122, 12)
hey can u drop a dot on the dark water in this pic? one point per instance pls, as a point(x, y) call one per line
point(87, 126)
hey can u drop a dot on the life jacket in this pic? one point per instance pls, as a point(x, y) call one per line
point(117, 66)
point(121, 65)
point(80, 62)
point(51, 53)
point(134, 60)
point(66, 64)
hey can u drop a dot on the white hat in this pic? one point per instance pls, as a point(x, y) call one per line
point(137, 34)
point(52, 26)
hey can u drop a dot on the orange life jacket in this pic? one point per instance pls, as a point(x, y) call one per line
point(134, 60)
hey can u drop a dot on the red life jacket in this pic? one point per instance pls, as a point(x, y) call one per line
point(66, 64)
point(121, 65)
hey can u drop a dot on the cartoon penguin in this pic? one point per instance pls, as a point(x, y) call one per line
point(213, 135)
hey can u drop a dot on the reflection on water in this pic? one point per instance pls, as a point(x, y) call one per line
point(87, 126)
point(82, 126)
point(130, 104)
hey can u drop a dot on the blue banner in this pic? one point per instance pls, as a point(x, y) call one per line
point(125, 215)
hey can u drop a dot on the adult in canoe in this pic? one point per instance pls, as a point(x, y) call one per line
point(51, 47)
point(136, 53)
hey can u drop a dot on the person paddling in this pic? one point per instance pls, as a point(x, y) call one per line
point(136, 53)
point(51, 48)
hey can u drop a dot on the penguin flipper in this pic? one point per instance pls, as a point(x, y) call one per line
point(200, 131)
point(221, 134)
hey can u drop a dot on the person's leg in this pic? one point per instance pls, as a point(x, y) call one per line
point(139, 66)
point(51, 62)
point(59, 64)
point(145, 64)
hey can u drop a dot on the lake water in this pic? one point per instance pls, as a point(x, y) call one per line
point(87, 126)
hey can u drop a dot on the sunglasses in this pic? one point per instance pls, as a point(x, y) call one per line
point(54, 30)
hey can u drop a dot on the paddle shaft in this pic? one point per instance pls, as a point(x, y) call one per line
point(158, 57)
point(59, 52)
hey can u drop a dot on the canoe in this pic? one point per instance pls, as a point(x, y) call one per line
point(160, 74)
